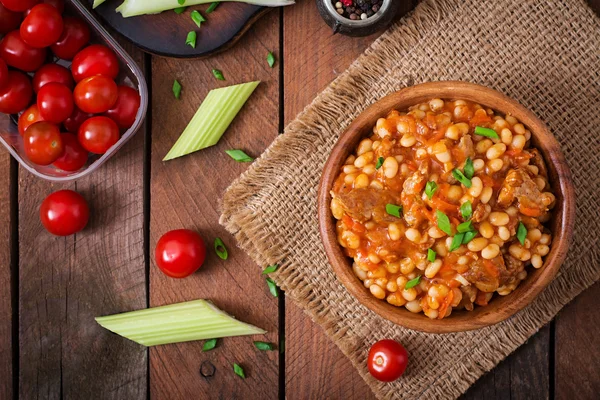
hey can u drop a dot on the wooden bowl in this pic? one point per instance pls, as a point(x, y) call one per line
point(561, 224)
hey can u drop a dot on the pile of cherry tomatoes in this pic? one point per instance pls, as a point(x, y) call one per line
point(64, 114)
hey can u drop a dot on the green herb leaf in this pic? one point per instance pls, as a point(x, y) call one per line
point(431, 255)
point(239, 156)
point(469, 169)
point(177, 89)
point(218, 74)
point(181, 2)
point(430, 188)
point(457, 241)
point(179, 10)
point(273, 287)
point(456, 173)
point(271, 59)
point(191, 39)
point(209, 344)
point(220, 249)
point(393, 209)
point(466, 209)
point(521, 233)
point(469, 236)
point(264, 346)
point(197, 18)
point(487, 132)
point(413, 282)
point(239, 371)
point(443, 222)
point(212, 7)
point(465, 227)
point(270, 269)
point(379, 163)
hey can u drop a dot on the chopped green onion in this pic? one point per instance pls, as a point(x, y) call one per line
point(212, 7)
point(431, 255)
point(487, 132)
point(131, 8)
point(413, 282)
point(220, 249)
point(177, 89)
point(212, 119)
point(521, 233)
point(273, 287)
point(197, 18)
point(393, 209)
point(180, 10)
point(430, 189)
point(270, 269)
point(466, 209)
point(456, 241)
point(191, 39)
point(181, 2)
point(239, 156)
point(443, 222)
point(379, 163)
point(97, 3)
point(174, 323)
point(209, 345)
point(239, 371)
point(469, 236)
point(271, 59)
point(461, 178)
point(469, 169)
point(218, 74)
point(465, 227)
point(264, 346)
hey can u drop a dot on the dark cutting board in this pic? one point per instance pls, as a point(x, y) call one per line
point(164, 34)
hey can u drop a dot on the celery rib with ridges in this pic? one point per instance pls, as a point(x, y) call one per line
point(97, 3)
point(181, 322)
point(212, 119)
point(131, 8)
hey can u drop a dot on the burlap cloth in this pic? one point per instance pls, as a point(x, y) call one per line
point(546, 55)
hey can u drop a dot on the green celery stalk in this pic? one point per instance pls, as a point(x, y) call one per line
point(97, 3)
point(131, 8)
point(181, 322)
point(211, 120)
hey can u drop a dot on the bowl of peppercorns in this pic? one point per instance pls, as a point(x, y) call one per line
point(358, 17)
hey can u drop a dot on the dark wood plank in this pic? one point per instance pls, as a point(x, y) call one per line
point(577, 347)
point(65, 282)
point(313, 57)
point(6, 356)
point(186, 192)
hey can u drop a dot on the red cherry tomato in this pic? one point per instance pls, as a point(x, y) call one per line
point(58, 4)
point(9, 20)
point(64, 213)
point(96, 94)
point(52, 73)
point(126, 107)
point(28, 118)
point(387, 360)
point(75, 35)
point(98, 134)
point(19, 54)
point(16, 95)
point(19, 5)
point(42, 26)
point(180, 253)
point(55, 102)
point(74, 155)
point(42, 142)
point(77, 118)
point(3, 73)
point(95, 60)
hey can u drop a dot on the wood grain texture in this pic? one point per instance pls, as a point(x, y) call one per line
point(65, 282)
point(185, 193)
point(6, 356)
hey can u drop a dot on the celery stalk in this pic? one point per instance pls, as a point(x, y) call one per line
point(131, 8)
point(97, 3)
point(181, 322)
point(211, 120)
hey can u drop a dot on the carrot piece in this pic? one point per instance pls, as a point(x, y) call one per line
point(529, 211)
point(445, 304)
point(444, 205)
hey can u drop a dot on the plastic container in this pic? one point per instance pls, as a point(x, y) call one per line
point(130, 75)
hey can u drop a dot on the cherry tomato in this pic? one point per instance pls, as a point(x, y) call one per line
point(74, 155)
point(95, 60)
point(387, 360)
point(16, 95)
point(3, 73)
point(52, 73)
point(98, 134)
point(28, 118)
point(77, 118)
point(180, 253)
point(126, 107)
point(9, 20)
point(75, 35)
point(19, 54)
point(64, 213)
point(42, 142)
point(19, 5)
point(55, 102)
point(58, 4)
point(42, 26)
point(96, 94)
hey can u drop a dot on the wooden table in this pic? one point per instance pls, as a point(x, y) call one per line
point(50, 346)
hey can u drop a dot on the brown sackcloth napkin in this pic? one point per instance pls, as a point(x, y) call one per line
point(544, 54)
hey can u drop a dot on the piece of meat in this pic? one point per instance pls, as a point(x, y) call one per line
point(485, 274)
point(513, 267)
point(414, 184)
point(538, 161)
point(519, 186)
point(367, 203)
point(481, 212)
point(466, 146)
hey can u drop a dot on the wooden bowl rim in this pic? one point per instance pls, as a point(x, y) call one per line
point(501, 307)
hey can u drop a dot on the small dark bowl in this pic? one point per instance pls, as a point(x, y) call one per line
point(380, 20)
